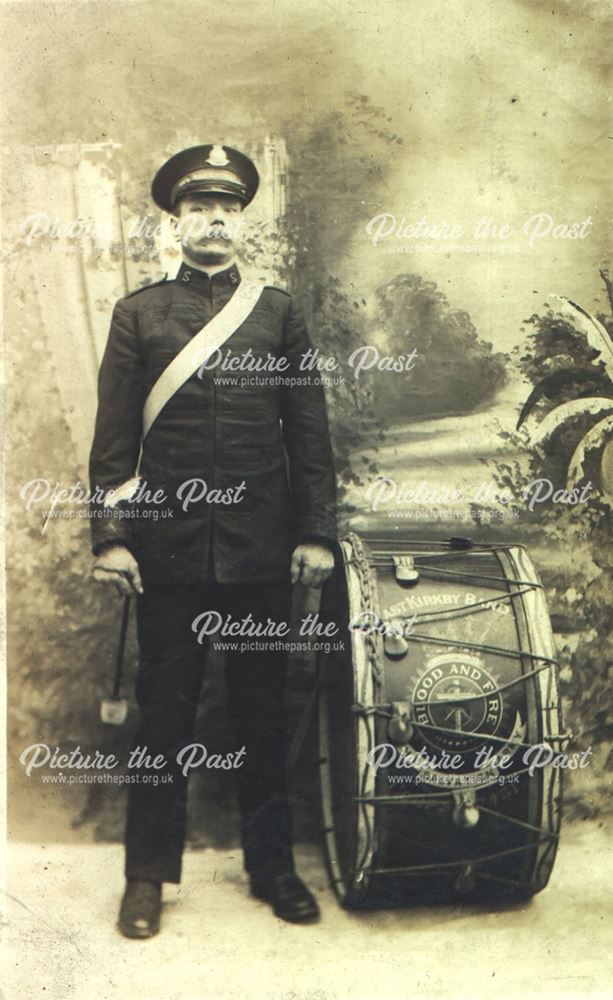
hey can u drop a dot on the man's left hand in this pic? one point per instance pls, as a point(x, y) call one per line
point(311, 564)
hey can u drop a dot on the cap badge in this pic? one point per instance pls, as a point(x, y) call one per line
point(217, 157)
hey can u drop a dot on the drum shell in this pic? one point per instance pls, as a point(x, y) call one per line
point(394, 837)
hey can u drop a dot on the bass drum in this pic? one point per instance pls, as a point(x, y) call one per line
point(438, 723)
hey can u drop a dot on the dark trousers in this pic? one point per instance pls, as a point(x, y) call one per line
point(168, 687)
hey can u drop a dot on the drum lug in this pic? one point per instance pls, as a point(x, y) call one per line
point(465, 882)
point(394, 642)
point(405, 572)
point(399, 728)
point(465, 809)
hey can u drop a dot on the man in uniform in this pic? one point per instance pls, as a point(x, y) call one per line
point(245, 468)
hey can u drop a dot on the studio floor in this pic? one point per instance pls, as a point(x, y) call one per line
point(217, 943)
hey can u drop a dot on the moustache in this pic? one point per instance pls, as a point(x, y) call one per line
point(201, 232)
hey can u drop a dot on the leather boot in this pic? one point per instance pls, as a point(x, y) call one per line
point(288, 896)
point(139, 916)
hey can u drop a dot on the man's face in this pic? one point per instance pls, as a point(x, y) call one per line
point(209, 227)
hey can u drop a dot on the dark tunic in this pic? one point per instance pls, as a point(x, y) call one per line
point(223, 427)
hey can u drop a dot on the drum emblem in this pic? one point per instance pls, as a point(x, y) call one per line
point(458, 700)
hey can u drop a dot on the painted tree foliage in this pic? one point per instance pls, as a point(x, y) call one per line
point(566, 359)
point(455, 371)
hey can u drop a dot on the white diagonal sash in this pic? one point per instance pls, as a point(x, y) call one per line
point(200, 348)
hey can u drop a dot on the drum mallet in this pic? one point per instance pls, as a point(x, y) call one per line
point(114, 710)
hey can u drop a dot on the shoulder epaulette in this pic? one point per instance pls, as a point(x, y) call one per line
point(143, 288)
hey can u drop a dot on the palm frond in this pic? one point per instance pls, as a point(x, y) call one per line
point(551, 385)
point(597, 335)
point(561, 414)
point(595, 438)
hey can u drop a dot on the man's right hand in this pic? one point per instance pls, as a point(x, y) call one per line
point(116, 565)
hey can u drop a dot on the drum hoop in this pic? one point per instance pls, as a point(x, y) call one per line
point(363, 681)
point(548, 706)
point(361, 593)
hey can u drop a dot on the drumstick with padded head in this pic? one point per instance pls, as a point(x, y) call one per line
point(114, 710)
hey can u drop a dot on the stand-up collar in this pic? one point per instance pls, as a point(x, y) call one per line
point(228, 278)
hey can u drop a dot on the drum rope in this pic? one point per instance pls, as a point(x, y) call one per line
point(496, 690)
point(397, 799)
point(476, 788)
point(448, 614)
point(479, 647)
point(505, 881)
point(465, 863)
point(449, 548)
point(426, 800)
point(519, 822)
point(376, 706)
point(431, 570)
point(386, 712)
